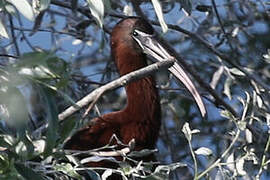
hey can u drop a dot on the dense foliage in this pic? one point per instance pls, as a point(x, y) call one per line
point(53, 53)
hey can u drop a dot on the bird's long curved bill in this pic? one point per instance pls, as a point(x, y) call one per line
point(152, 47)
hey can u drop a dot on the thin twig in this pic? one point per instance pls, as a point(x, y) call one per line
point(263, 158)
point(221, 25)
point(212, 49)
point(194, 160)
point(122, 81)
point(9, 55)
point(221, 157)
point(14, 39)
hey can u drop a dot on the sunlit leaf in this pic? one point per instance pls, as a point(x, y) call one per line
point(97, 10)
point(227, 87)
point(97, 159)
point(266, 57)
point(106, 174)
point(195, 131)
point(44, 4)
point(3, 31)
point(128, 10)
point(248, 135)
point(11, 10)
point(259, 101)
point(204, 151)
point(245, 105)
point(72, 159)
point(163, 171)
point(242, 125)
point(187, 131)
point(216, 77)
point(24, 8)
point(76, 42)
point(237, 72)
point(230, 162)
point(39, 146)
point(240, 167)
point(159, 13)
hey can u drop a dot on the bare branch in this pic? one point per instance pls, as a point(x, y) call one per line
point(122, 81)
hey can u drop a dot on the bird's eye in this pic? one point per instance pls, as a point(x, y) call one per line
point(135, 33)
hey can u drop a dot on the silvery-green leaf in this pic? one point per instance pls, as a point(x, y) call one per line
point(97, 10)
point(44, 4)
point(3, 31)
point(204, 151)
point(235, 32)
point(39, 145)
point(186, 130)
point(24, 8)
point(227, 87)
point(237, 72)
point(68, 169)
point(194, 131)
point(248, 135)
point(230, 162)
point(242, 125)
point(128, 10)
point(72, 159)
point(10, 9)
point(40, 5)
point(240, 167)
point(159, 13)
point(76, 42)
point(216, 77)
point(106, 174)
point(259, 101)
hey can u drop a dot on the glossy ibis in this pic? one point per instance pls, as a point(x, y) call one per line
point(131, 39)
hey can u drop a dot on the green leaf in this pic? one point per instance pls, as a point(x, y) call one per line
point(67, 127)
point(227, 114)
point(159, 13)
point(16, 107)
point(67, 169)
point(27, 172)
point(52, 130)
point(24, 8)
point(97, 10)
point(42, 65)
point(163, 171)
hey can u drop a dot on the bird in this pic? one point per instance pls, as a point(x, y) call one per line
point(133, 40)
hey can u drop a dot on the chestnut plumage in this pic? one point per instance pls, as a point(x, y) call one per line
point(131, 39)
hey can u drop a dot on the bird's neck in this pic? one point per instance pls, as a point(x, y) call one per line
point(142, 95)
